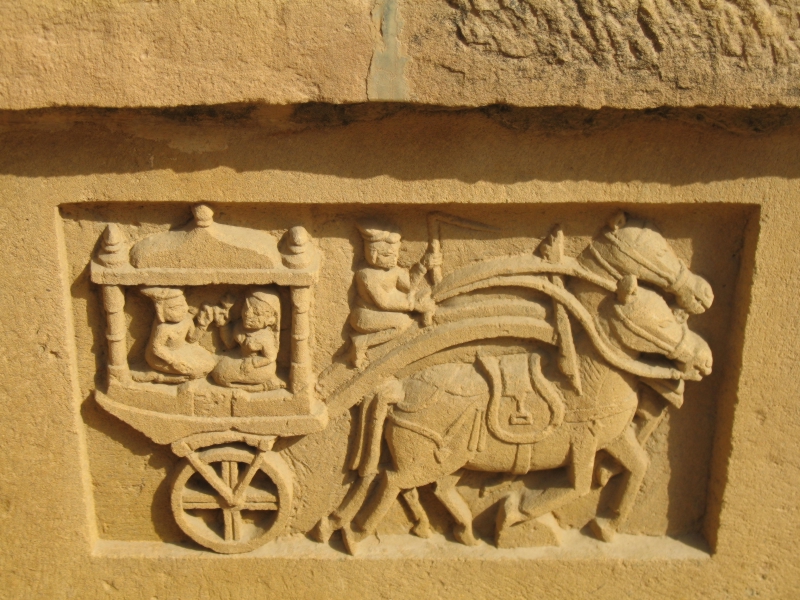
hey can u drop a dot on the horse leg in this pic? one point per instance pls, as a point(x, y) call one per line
point(422, 526)
point(347, 510)
point(448, 494)
point(584, 449)
point(386, 494)
point(629, 452)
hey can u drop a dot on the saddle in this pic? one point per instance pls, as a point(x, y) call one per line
point(524, 407)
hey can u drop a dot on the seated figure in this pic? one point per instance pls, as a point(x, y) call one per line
point(255, 338)
point(173, 347)
point(386, 294)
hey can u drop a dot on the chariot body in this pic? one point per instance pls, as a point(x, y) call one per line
point(230, 492)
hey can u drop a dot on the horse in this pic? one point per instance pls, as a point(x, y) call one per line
point(630, 246)
point(502, 414)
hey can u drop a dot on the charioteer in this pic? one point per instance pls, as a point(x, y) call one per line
point(387, 294)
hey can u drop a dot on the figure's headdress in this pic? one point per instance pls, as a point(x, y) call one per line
point(268, 297)
point(158, 294)
point(373, 231)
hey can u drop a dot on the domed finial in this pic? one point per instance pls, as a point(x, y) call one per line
point(203, 215)
point(114, 248)
point(298, 237)
point(297, 250)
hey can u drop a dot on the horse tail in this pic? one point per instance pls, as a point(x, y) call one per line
point(358, 446)
point(374, 410)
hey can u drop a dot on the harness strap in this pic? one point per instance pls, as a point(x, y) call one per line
point(522, 459)
point(680, 281)
point(443, 442)
point(663, 344)
point(582, 415)
point(637, 256)
point(681, 348)
point(604, 263)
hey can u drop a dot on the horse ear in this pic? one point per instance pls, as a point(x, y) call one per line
point(617, 221)
point(627, 288)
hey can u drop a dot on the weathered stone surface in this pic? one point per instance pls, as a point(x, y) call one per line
point(631, 55)
point(176, 53)
point(643, 54)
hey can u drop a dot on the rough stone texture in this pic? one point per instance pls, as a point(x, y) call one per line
point(642, 54)
point(630, 55)
point(177, 53)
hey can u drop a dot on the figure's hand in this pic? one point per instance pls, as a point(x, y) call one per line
point(183, 367)
point(205, 316)
point(431, 260)
point(228, 300)
point(222, 316)
point(411, 300)
point(258, 361)
point(425, 304)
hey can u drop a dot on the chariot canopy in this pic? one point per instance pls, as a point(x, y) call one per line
point(205, 252)
point(200, 253)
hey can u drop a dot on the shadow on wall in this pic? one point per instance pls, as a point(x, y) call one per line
point(497, 144)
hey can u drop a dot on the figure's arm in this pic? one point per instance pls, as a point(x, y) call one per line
point(403, 280)
point(417, 275)
point(226, 334)
point(269, 349)
point(159, 346)
point(393, 300)
point(199, 325)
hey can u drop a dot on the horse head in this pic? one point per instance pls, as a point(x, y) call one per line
point(634, 247)
point(641, 321)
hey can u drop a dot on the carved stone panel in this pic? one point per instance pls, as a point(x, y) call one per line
point(510, 378)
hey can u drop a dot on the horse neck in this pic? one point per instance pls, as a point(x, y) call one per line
point(588, 294)
point(602, 384)
point(589, 261)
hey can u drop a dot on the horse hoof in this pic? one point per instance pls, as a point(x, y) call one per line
point(509, 513)
point(351, 538)
point(422, 530)
point(464, 535)
point(603, 529)
point(538, 532)
point(323, 531)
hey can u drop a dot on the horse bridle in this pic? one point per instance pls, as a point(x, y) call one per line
point(677, 352)
point(674, 284)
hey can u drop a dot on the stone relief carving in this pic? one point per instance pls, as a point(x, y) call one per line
point(221, 410)
point(386, 294)
point(636, 35)
point(436, 389)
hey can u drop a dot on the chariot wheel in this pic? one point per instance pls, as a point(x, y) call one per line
point(232, 498)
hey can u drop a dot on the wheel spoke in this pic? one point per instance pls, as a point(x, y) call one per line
point(227, 515)
point(233, 524)
point(254, 495)
point(194, 499)
point(237, 525)
point(240, 487)
point(260, 506)
point(211, 477)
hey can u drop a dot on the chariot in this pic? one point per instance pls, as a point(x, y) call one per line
point(231, 492)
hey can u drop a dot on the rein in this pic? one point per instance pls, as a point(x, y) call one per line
point(670, 351)
point(674, 282)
